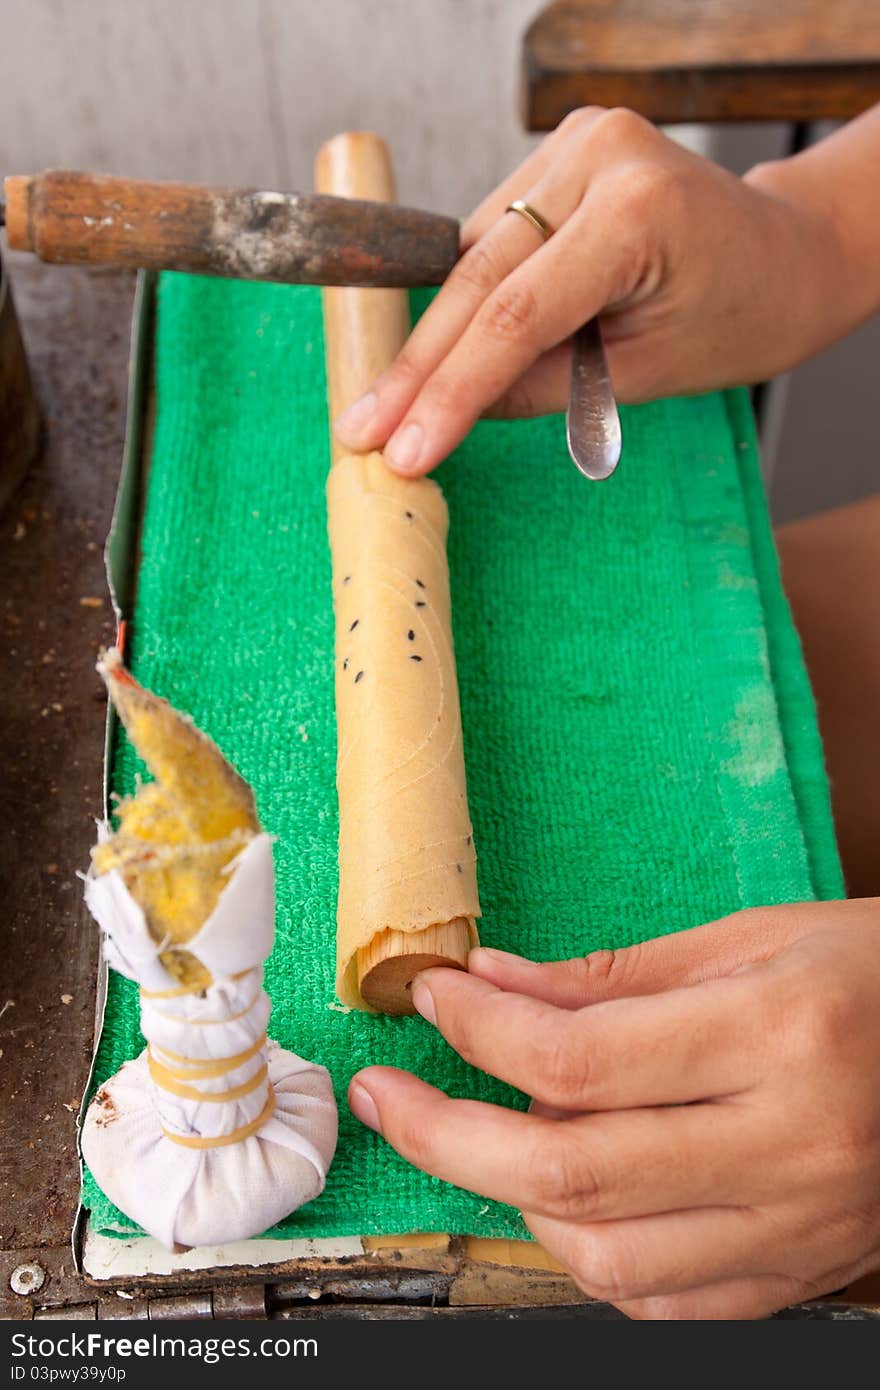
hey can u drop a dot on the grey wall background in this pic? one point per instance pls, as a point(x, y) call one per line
point(244, 91)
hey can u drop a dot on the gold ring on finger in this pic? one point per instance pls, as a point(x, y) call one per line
point(531, 215)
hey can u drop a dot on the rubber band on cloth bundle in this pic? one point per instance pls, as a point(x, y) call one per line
point(214, 1132)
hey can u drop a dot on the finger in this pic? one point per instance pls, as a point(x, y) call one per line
point(586, 1168)
point(588, 142)
point(525, 176)
point(757, 1297)
point(704, 953)
point(680, 1046)
point(508, 242)
point(541, 389)
point(559, 147)
point(653, 1256)
point(565, 282)
point(484, 1148)
point(462, 355)
point(549, 1112)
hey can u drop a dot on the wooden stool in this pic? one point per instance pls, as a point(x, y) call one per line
point(703, 60)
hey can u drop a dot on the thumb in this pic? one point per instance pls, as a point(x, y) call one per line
point(683, 958)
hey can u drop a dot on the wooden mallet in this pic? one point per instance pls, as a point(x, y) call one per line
point(252, 234)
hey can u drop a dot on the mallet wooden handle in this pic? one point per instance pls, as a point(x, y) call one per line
point(363, 330)
point(299, 238)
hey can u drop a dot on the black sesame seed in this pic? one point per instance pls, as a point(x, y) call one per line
point(415, 658)
point(420, 584)
point(358, 676)
point(458, 866)
point(346, 579)
point(419, 603)
point(408, 515)
point(345, 664)
point(468, 840)
point(354, 625)
point(410, 636)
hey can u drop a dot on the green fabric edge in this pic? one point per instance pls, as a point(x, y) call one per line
point(794, 694)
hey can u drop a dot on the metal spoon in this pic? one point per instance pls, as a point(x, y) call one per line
point(592, 424)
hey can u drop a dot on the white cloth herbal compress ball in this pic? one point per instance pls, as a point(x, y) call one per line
point(213, 1133)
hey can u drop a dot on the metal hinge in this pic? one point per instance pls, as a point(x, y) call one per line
point(245, 1301)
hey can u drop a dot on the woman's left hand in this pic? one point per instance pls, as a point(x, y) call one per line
point(704, 1138)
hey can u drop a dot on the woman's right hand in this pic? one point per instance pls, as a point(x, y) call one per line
point(702, 279)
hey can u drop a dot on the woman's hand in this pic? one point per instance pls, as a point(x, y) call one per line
point(702, 279)
point(704, 1140)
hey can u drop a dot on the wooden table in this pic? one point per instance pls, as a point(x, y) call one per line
point(703, 60)
point(55, 616)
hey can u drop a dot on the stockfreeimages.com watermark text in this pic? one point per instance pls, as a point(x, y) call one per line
point(30, 1352)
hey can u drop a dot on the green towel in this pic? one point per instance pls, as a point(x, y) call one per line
point(641, 744)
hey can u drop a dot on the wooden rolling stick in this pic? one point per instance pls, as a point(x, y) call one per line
point(364, 330)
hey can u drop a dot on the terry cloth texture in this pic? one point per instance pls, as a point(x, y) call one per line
point(640, 738)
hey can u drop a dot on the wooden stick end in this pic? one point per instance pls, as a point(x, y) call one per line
point(356, 164)
point(391, 961)
point(18, 223)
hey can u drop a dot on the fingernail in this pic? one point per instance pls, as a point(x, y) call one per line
point(487, 955)
point(403, 449)
point(357, 416)
point(424, 1001)
point(363, 1107)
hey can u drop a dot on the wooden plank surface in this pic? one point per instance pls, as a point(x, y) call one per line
point(54, 615)
point(715, 60)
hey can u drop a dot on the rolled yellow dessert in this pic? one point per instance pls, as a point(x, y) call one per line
point(407, 882)
point(406, 848)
